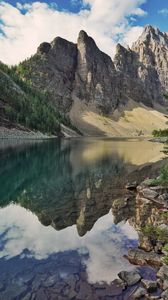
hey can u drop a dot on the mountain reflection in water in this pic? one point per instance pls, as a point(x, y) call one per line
point(69, 185)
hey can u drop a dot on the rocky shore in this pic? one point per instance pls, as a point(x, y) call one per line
point(153, 240)
point(16, 133)
point(24, 133)
point(163, 140)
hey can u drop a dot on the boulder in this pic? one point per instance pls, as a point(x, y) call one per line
point(163, 273)
point(140, 292)
point(165, 284)
point(130, 278)
point(149, 285)
point(140, 257)
point(163, 199)
point(159, 246)
point(165, 295)
point(149, 194)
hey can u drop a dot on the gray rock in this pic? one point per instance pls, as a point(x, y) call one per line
point(163, 199)
point(165, 295)
point(150, 297)
point(159, 246)
point(140, 257)
point(149, 285)
point(140, 292)
point(131, 186)
point(149, 194)
point(120, 283)
point(130, 278)
point(165, 284)
point(163, 273)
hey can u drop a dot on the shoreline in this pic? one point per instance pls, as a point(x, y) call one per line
point(150, 251)
point(20, 134)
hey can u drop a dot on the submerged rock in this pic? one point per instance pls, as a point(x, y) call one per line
point(130, 278)
point(140, 292)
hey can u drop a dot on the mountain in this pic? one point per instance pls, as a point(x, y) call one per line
point(146, 65)
point(125, 96)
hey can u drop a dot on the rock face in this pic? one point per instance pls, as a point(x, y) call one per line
point(95, 80)
point(52, 69)
point(69, 71)
point(152, 51)
point(146, 64)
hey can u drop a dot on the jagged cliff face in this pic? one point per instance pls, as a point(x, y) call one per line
point(145, 67)
point(81, 71)
point(52, 69)
point(95, 80)
point(152, 51)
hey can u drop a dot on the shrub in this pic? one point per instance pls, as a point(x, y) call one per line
point(163, 178)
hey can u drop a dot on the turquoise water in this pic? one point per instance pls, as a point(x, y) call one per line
point(61, 237)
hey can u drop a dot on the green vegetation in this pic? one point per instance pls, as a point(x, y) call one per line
point(165, 250)
point(27, 106)
point(162, 179)
point(164, 216)
point(152, 181)
point(155, 233)
point(160, 133)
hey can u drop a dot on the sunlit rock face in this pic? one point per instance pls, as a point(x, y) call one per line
point(145, 66)
point(152, 50)
point(81, 71)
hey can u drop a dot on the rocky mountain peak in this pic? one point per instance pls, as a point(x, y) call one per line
point(152, 35)
point(69, 71)
point(120, 49)
point(83, 36)
point(86, 44)
point(44, 48)
point(152, 52)
point(94, 74)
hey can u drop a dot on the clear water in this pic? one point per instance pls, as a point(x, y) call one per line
point(60, 234)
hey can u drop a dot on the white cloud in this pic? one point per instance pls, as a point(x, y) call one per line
point(132, 35)
point(163, 12)
point(105, 243)
point(26, 26)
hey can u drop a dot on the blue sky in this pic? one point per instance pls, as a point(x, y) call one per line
point(155, 18)
point(25, 24)
point(152, 7)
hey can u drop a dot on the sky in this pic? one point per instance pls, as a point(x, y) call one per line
point(25, 24)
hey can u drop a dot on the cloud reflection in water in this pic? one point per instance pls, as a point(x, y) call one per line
point(105, 244)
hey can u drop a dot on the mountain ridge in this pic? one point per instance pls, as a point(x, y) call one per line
point(81, 73)
point(88, 69)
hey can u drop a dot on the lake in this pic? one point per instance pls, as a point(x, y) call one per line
point(63, 234)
